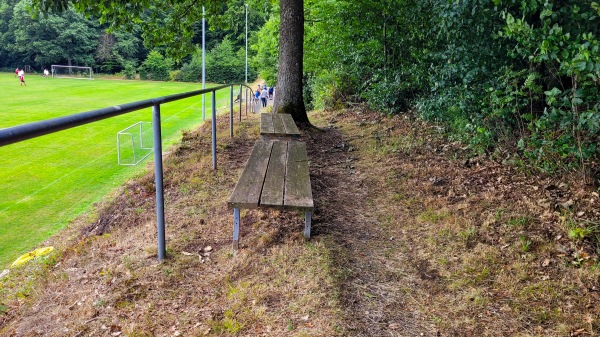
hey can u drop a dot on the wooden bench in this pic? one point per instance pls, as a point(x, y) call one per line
point(276, 176)
point(278, 126)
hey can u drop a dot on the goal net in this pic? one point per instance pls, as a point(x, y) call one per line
point(76, 72)
point(134, 143)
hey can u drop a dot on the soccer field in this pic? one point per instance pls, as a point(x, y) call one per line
point(47, 181)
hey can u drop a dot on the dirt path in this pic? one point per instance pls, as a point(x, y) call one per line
point(371, 281)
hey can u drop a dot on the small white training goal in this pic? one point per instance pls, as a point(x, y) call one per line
point(84, 73)
point(135, 143)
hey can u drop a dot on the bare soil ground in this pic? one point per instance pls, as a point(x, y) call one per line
point(409, 239)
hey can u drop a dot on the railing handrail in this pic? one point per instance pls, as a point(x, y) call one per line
point(23, 132)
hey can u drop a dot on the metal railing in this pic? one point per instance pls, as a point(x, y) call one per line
point(23, 132)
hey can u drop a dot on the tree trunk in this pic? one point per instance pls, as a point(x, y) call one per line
point(289, 98)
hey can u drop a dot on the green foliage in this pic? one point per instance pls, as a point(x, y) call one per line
point(561, 44)
point(68, 38)
point(224, 64)
point(521, 73)
point(172, 26)
point(29, 38)
point(191, 71)
point(59, 34)
point(129, 71)
point(156, 67)
point(525, 243)
point(266, 46)
point(391, 95)
point(116, 50)
point(578, 233)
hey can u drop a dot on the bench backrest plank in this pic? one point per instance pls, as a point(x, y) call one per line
point(298, 192)
point(246, 193)
point(273, 188)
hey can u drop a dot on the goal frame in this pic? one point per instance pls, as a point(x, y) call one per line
point(134, 133)
point(55, 74)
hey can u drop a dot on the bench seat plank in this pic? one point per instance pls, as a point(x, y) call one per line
point(266, 123)
point(298, 193)
point(272, 193)
point(276, 125)
point(247, 191)
point(290, 126)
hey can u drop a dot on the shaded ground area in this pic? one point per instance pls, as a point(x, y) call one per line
point(409, 239)
point(449, 246)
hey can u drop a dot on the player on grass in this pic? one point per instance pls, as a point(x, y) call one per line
point(22, 77)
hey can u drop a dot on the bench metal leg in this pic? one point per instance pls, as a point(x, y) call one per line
point(307, 222)
point(236, 228)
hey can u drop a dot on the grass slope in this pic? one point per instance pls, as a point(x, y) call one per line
point(49, 180)
point(408, 239)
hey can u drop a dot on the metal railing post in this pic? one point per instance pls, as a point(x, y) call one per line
point(240, 102)
point(246, 102)
point(231, 111)
point(214, 129)
point(158, 178)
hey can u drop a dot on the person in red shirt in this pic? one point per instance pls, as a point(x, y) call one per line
point(22, 77)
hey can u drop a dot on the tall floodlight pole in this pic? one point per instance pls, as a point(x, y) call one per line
point(203, 65)
point(246, 42)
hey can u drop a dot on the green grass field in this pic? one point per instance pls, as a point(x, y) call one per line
point(47, 181)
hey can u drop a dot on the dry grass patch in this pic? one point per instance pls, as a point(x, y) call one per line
point(105, 279)
point(490, 246)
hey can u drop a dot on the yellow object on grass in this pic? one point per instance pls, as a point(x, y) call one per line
point(31, 255)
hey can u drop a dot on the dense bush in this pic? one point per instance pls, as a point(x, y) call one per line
point(155, 67)
point(559, 47)
point(129, 71)
point(192, 70)
point(521, 73)
point(223, 65)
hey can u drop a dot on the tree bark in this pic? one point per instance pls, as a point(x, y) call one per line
point(288, 97)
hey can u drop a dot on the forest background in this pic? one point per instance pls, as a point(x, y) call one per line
point(515, 79)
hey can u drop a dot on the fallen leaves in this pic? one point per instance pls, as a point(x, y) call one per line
point(203, 255)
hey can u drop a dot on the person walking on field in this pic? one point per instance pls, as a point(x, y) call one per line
point(264, 94)
point(46, 73)
point(22, 77)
